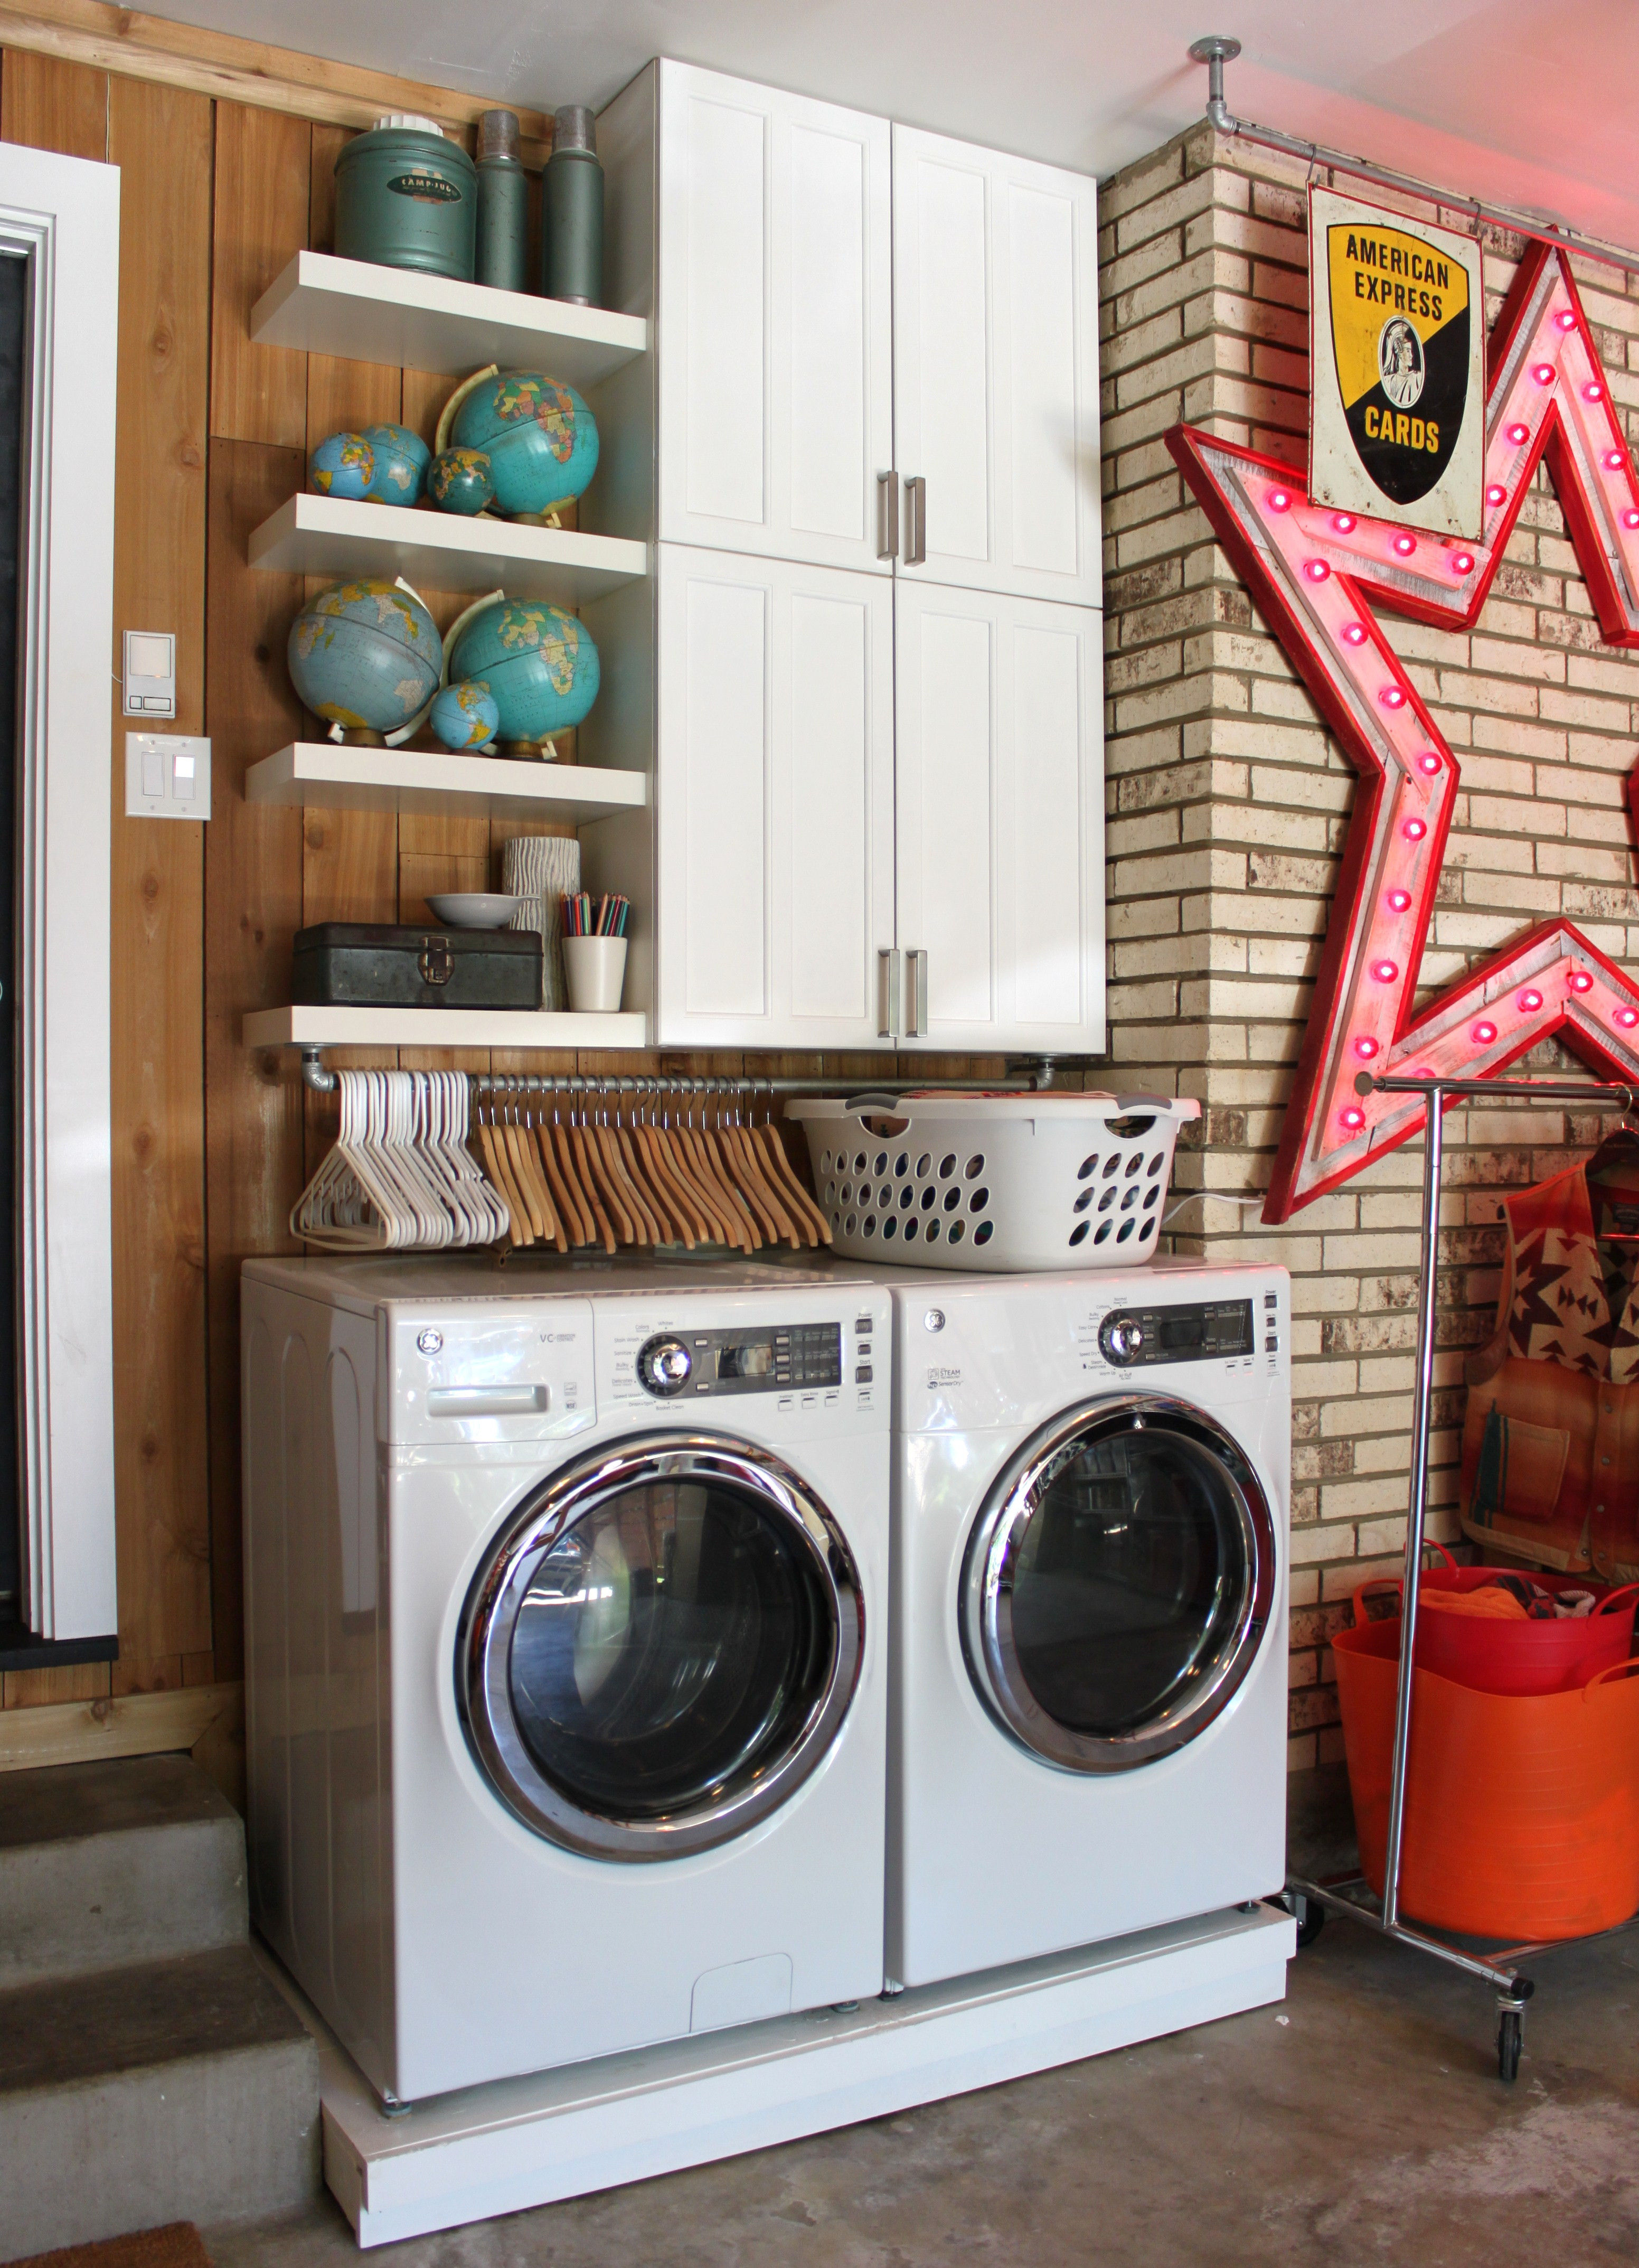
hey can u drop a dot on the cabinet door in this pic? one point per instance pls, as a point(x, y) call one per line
point(773, 788)
point(996, 367)
point(1000, 839)
point(774, 324)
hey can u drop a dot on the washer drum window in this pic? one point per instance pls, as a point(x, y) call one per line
point(660, 1646)
point(1118, 1583)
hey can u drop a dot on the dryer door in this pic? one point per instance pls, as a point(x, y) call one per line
point(660, 1646)
point(1118, 1583)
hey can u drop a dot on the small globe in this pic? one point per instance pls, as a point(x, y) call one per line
point(366, 656)
point(385, 464)
point(460, 480)
point(401, 462)
point(465, 716)
point(539, 436)
point(343, 465)
point(539, 663)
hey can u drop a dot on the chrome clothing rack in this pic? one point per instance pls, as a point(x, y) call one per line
point(1024, 1075)
point(1350, 1895)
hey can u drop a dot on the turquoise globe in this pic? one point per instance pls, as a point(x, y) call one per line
point(385, 464)
point(539, 663)
point(402, 461)
point(366, 656)
point(459, 481)
point(465, 716)
point(539, 436)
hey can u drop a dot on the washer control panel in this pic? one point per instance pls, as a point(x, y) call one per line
point(1132, 1337)
point(779, 1358)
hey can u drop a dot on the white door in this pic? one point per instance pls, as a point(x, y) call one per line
point(996, 369)
point(775, 324)
point(774, 790)
point(1000, 809)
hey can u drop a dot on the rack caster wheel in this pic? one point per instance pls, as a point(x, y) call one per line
point(1308, 1914)
point(1510, 2033)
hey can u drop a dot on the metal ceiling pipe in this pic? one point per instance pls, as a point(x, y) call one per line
point(1215, 51)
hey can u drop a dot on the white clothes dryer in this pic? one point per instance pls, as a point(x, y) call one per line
point(1088, 1707)
point(566, 1684)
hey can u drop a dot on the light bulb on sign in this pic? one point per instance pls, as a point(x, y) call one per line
point(1531, 1000)
point(1485, 1034)
point(1316, 570)
point(1580, 981)
point(1354, 1117)
point(1415, 830)
point(1399, 900)
point(1385, 971)
point(1354, 634)
point(1365, 1047)
point(1519, 435)
point(1544, 373)
point(1405, 545)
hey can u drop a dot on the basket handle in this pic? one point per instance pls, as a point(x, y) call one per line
point(1394, 1582)
point(1611, 1597)
point(1614, 1670)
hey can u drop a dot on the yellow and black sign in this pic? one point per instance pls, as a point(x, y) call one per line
point(1397, 363)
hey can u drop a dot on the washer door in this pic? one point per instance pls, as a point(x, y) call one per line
point(660, 1646)
point(1117, 1583)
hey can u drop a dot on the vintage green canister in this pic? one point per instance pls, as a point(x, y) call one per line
point(572, 222)
point(407, 196)
point(502, 204)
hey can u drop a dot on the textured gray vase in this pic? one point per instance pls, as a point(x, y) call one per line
point(545, 869)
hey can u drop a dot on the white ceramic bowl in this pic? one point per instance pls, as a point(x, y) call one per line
point(474, 908)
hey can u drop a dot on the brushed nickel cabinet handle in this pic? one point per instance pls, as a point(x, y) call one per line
point(918, 996)
point(887, 515)
point(916, 521)
point(888, 981)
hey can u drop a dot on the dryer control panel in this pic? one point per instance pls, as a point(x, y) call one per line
point(766, 1359)
point(1129, 1338)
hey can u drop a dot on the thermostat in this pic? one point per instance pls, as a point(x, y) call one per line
point(150, 674)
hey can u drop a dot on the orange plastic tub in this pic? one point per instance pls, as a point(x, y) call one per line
point(1521, 1811)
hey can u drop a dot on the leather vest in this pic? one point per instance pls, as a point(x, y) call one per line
point(1550, 1470)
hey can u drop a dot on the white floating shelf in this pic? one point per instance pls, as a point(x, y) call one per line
point(392, 315)
point(442, 551)
point(439, 1028)
point(338, 778)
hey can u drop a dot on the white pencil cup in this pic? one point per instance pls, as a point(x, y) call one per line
point(595, 969)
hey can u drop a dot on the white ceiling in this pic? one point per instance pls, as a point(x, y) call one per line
point(1524, 101)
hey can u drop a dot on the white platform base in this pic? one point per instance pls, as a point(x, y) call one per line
point(519, 2142)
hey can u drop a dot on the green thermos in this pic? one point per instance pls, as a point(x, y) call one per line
point(407, 196)
point(502, 204)
point(572, 265)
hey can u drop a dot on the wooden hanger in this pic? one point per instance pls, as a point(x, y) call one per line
point(818, 1227)
point(529, 1153)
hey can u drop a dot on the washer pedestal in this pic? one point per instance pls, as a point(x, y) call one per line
point(520, 2142)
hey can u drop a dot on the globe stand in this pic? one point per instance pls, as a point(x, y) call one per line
point(358, 736)
point(538, 752)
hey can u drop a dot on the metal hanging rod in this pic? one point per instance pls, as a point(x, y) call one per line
point(1029, 1075)
point(1504, 1090)
point(1215, 51)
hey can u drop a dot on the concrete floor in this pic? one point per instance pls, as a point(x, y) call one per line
point(1360, 2123)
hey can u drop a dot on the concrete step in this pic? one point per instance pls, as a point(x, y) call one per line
point(170, 2090)
point(139, 1858)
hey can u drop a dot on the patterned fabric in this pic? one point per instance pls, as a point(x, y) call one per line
point(1568, 1307)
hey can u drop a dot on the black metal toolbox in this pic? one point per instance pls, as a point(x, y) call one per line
point(393, 965)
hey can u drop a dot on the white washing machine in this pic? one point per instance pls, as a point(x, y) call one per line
point(566, 1684)
point(1088, 1711)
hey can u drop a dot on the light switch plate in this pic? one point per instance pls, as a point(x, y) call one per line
point(167, 776)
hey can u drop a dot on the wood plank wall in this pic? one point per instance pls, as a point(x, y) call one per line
point(212, 1143)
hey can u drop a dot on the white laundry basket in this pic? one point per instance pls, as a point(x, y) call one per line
point(999, 1182)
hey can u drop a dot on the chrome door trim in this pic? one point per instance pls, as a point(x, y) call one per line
point(483, 1663)
point(986, 1604)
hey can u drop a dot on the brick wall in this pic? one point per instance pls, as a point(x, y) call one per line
point(1227, 804)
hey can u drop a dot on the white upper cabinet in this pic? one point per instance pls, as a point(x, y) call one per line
point(996, 369)
point(774, 324)
point(774, 794)
point(1000, 833)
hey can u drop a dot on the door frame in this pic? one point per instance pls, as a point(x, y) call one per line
point(64, 215)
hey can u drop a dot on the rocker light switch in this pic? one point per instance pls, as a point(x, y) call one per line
point(167, 776)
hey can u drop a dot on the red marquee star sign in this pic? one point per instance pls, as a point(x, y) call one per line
point(1315, 575)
